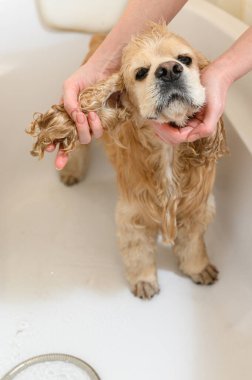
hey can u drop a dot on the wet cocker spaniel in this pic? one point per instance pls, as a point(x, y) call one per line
point(162, 188)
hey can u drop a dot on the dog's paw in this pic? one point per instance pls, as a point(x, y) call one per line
point(207, 277)
point(69, 179)
point(145, 290)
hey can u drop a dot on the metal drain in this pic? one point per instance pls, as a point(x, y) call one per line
point(52, 358)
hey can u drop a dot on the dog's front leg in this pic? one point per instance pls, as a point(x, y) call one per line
point(137, 240)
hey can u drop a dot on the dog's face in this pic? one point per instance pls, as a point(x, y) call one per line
point(161, 73)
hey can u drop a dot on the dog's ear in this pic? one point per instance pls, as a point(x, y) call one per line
point(105, 98)
point(57, 127)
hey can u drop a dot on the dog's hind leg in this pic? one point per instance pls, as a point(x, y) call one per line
point(191, 250)
point(193, 260)
point(137, 241)
point(76, 167)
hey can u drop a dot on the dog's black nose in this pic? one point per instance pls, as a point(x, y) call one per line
point(169, 71)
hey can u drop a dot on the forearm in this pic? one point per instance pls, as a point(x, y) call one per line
point(133, 20)
point(236, 61)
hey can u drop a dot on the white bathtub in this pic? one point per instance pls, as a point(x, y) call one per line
point(61, 283)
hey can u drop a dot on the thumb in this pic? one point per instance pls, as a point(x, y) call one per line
point(71, 93)
point(206, 127)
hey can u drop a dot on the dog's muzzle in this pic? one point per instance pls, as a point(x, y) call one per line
point(171, 87)
point(169, 72)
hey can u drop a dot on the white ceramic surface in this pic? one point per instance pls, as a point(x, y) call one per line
point(81, 15)
point(61, 283)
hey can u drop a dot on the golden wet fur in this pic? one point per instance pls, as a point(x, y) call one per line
point(161, 188)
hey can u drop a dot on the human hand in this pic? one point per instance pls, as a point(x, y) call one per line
point(204, 123)
point(86, 125)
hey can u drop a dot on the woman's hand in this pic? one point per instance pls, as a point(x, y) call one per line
point(204, 123)
point(86, 125)
point(82, 78)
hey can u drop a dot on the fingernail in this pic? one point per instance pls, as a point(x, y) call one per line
point(50, 148)
point(73, 114)
point(59, 165)
point(61, 160)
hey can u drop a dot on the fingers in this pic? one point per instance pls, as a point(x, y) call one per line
point(197, 128)
point(170, 134)
point(205, 127)
point(85, 125)
point(95, 124)
point(84, 136)
point(61, 160)
point(50, 148)
point(61, 157)
point(82, 126)
point(71, 92)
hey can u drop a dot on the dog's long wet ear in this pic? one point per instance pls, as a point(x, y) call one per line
point(57, 127)
point(53, 127)
point(105, 98)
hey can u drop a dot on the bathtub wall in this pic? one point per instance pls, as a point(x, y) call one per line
point(21, 28)
point(238, 8)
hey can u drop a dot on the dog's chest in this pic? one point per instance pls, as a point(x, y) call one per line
point(170, 200)
point(168, 157)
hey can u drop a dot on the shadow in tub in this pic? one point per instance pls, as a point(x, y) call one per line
point(57, 238)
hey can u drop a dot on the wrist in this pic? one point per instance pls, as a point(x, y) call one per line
point(221, 70)
point(104, 62)
point(225, 68)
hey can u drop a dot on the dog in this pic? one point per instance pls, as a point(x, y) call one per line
point(162, 188)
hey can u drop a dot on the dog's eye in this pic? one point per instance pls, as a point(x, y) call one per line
point(141, 73)
point(185, 59)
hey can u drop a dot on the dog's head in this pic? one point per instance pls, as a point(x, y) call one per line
point(161, 74)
